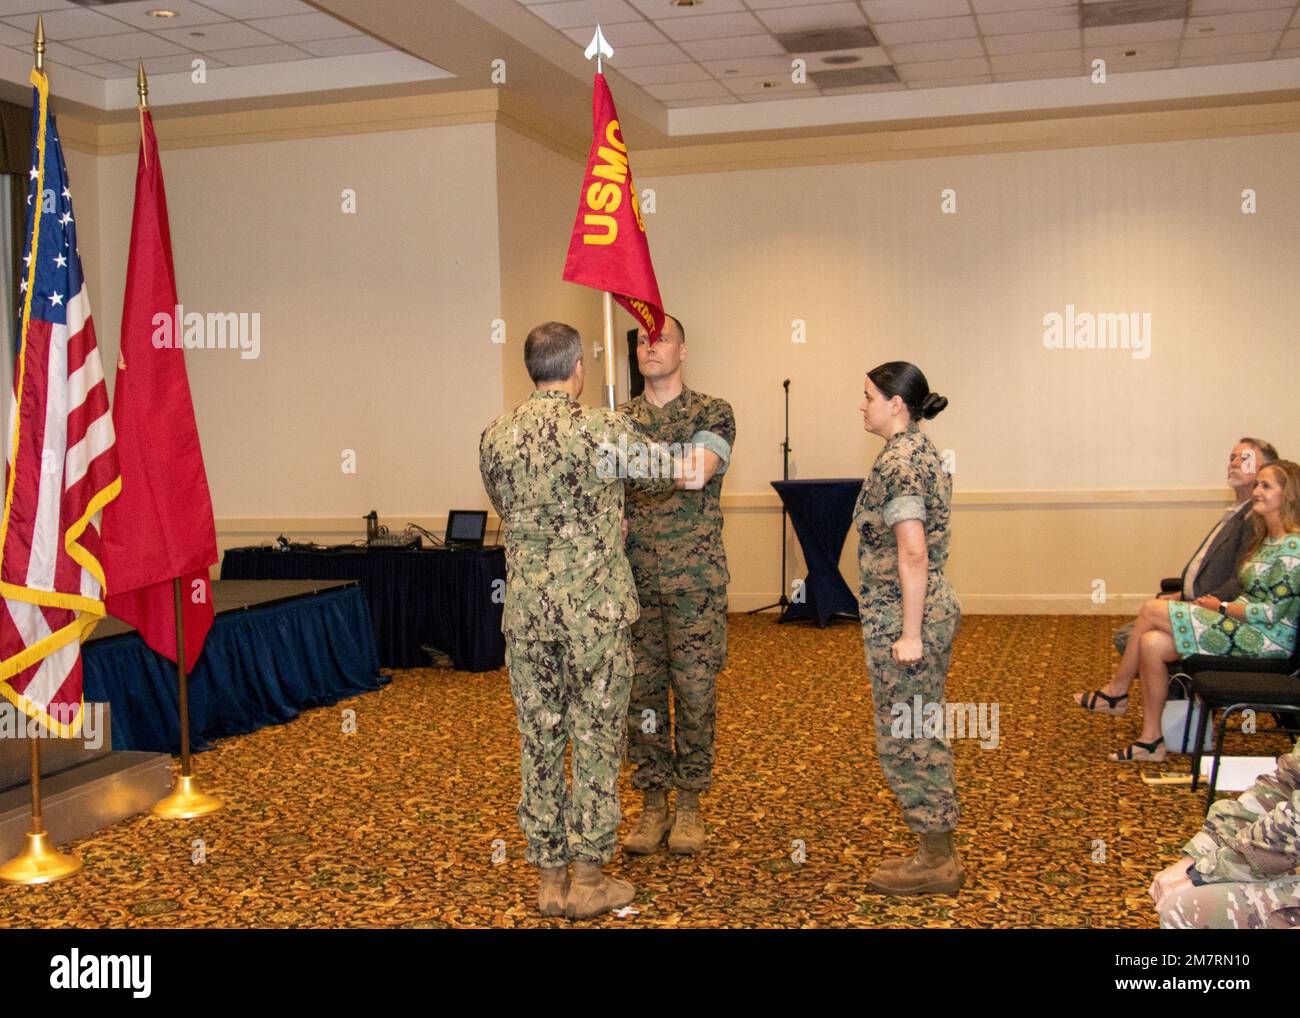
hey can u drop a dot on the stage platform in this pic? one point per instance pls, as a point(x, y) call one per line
point(277, 647)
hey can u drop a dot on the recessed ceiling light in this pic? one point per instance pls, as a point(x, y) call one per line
point(1130, 52)
point(199, 35)
point(161, 13)
point(685, 3)
point(768, 84)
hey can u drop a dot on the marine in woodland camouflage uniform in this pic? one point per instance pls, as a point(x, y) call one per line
point(680, 641)
point(1243, 863)
point(569, 603)
point(908, 482)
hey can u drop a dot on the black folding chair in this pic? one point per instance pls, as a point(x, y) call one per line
point(1233, 685)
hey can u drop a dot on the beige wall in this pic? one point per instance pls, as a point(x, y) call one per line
point(862, 253)
point(537, 196)
point(375, 326)
point(1072, 466)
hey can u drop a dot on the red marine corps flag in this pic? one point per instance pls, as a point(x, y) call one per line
point(608, 249)
point(161, 527)
point(61, 467)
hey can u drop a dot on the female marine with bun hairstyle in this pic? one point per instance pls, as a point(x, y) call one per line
point(910, 615)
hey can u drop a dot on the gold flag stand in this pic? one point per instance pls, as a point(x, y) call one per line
point(186, 800)
point(40, 862)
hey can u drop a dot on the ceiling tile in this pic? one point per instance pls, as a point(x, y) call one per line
point(301, 27)
point(891, 86)
point(807, 19)
point(626, 33)
point(656, 9)
point(749, 67)
point(873, 56)
point(711, 26)
point(129, 46)
point(344, 47)
point(943, 69)
point(1145, 32)
point(1052, 19)
point(979, 79)
point(1208, 44)
point(108, 70)
point(571, 13)
point(1207, 7)
point(1224, 58)
point(647, 56)
point(68, 56)
point(172, 65)
point(228, 35)
point(1153, 65)
point(1003, 6)
point(10, 36)
point(665, 75)
point(763, 5)
point(73, 24)
point(1057, 60)
point(244, 9)
point(1163, 50)
point(690, 90)
point(945, 49)
point(1287, 54)
point(1239, 24)
point(753, 85)
point(1291, 38)
point(1034, 42)
point(11, 7)
point(1032, 75)
point(262, 55)
point(187, 13)
point(925, 31)
point(881, 11)
point(744, 46)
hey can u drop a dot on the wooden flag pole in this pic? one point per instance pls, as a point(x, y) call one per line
point(40, 862)
point(608, 302)
point(186, 800)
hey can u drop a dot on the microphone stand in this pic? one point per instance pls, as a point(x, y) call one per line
point(782, 602)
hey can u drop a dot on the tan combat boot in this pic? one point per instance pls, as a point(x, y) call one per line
point(552, 890)
point(652, 826)
point(687, 836)
point(591, 892)
point(935, 869)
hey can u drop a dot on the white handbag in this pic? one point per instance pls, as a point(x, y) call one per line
point(1173, 723)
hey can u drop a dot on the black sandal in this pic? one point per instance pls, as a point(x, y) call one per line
point(1129, 754)
point(1115, 705)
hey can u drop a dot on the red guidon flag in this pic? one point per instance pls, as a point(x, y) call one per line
point(608, 249)
point(161, 526)
point(60, 465)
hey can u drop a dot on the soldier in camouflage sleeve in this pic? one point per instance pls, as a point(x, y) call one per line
point(680, 641)
point(570, 601)
point(1239, 872)
point(910, 615)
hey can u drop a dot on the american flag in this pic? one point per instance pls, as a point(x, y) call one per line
point(61, 466)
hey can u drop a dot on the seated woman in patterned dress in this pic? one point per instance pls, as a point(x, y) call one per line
point(1261, 622)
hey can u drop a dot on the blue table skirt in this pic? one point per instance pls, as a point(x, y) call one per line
point(259, 666)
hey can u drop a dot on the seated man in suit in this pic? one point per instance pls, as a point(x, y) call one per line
point(1213, 568)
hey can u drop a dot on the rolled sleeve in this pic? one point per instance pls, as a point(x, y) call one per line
point(905, 507)
point(717, 445)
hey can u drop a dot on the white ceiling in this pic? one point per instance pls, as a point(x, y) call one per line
point(728, 51)
point(92, 47)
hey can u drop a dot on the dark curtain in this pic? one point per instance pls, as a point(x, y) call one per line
point(15, 160)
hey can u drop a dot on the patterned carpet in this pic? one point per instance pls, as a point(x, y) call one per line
point(394, 825)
